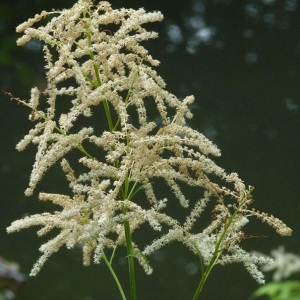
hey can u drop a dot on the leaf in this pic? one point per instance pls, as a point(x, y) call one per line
point(287, 290)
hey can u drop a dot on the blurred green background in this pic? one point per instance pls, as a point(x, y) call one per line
point(241, 60)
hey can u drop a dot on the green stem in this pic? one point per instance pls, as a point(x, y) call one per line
point(108, 116)
point(98, 83)
point(125, 189)
point(80, 148)
point(205, 275)
point(113, 254)
point(130, 260)
point(114, 276)
point(217, 251)
point(98, 79)
point(130, 253)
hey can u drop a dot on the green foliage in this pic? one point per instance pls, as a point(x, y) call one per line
point(286, 290)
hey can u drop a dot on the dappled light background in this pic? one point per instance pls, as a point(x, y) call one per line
point(241, 60)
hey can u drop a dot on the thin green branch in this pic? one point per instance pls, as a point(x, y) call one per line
point(108, 263)
point(218, 251)
point(130, 258)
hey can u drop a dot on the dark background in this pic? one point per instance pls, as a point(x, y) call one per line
point(241, 60)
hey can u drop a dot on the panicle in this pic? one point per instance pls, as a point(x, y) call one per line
point(94, 59)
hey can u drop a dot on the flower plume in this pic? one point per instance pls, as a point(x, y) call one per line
point(95, 61)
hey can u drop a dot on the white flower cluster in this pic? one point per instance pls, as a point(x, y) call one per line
point(95, 60)
point(284, 265)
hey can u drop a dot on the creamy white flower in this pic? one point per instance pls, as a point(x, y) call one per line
point(284, 264)
point(95, 63)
